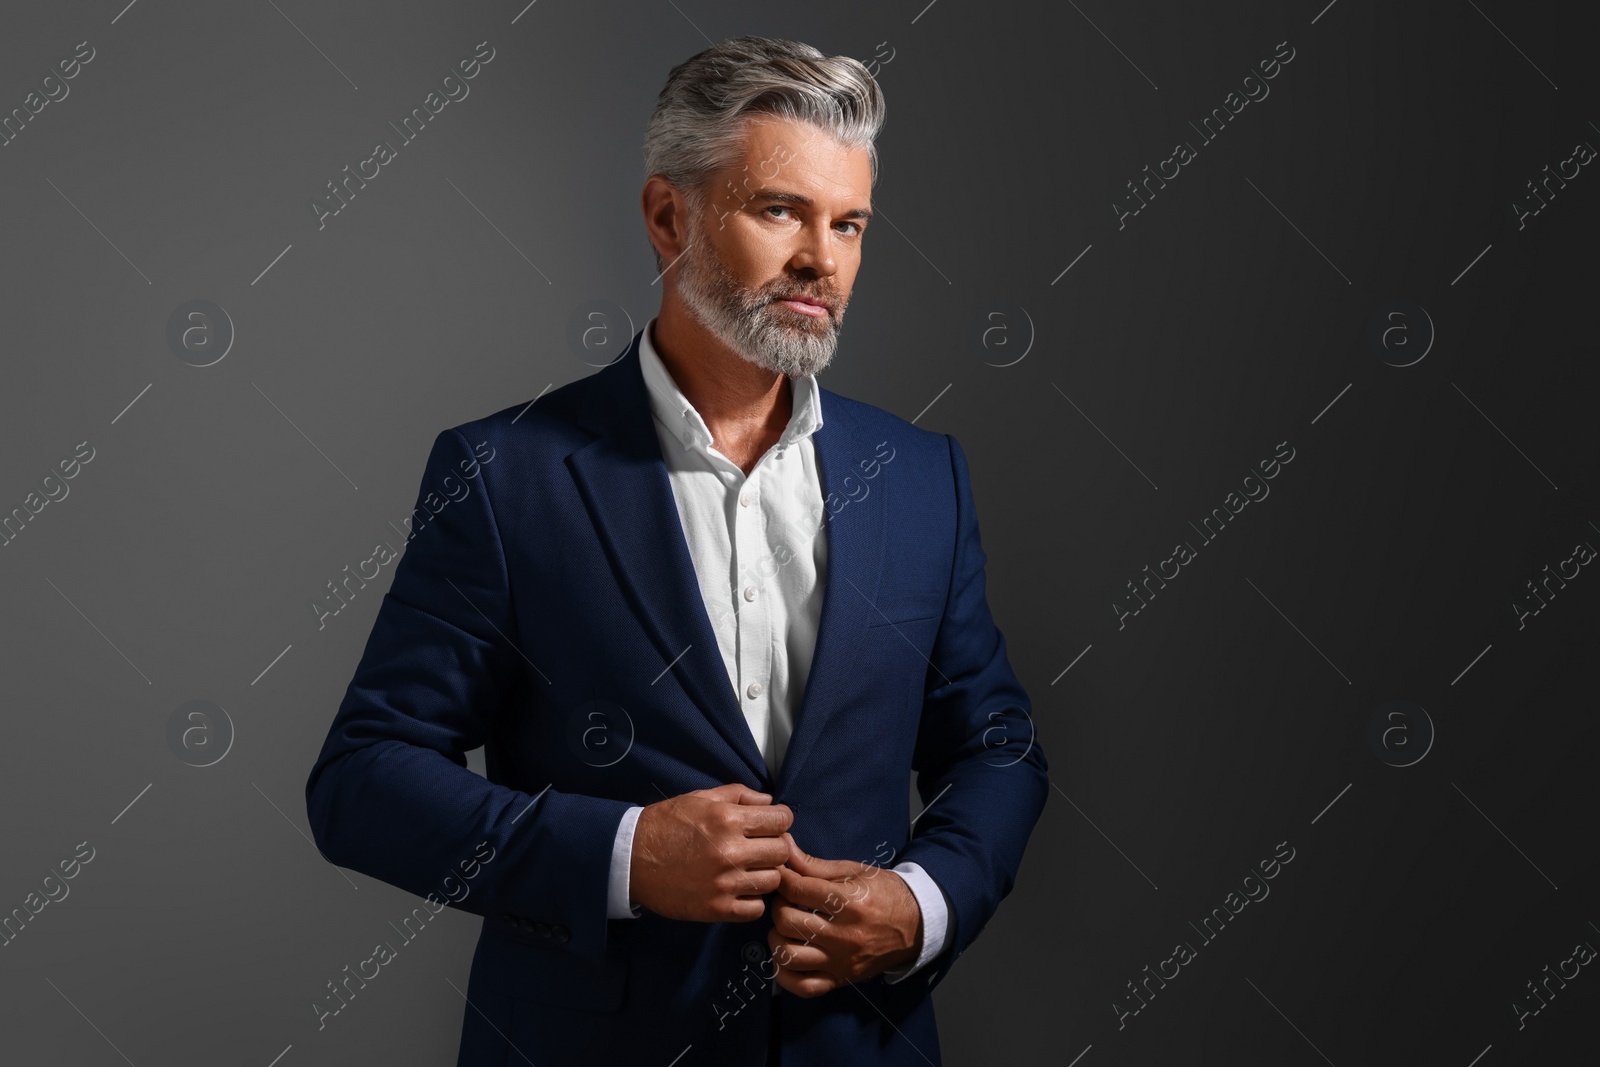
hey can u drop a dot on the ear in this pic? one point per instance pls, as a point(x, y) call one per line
point(665, 217)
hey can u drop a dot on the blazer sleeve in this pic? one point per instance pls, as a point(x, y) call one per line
point(980, 769)
point(390, 794)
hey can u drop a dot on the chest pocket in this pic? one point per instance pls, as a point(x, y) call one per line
point(901, 608)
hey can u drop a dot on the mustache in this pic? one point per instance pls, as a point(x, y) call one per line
point(829, 300)
point(782, 289)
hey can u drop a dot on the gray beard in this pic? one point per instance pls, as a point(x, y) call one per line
point(750, 322)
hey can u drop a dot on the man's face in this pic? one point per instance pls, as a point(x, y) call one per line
point(783, 224)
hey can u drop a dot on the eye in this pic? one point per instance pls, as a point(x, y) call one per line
point(857, 225)
point(778, 207)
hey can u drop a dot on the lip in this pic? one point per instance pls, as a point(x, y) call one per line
point(805, 307)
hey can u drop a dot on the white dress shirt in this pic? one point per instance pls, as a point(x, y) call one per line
point(761, 564)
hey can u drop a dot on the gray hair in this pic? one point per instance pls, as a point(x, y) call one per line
point(698, 125)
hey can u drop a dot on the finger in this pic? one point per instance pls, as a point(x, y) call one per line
point(790, 912)
point(815, 927)
point(805, 863)
point(789, 983)
point(802, 925)
point(820, 879)
point(748, 909)
point(757, 884)
point(736, 793)
point(803, 891)
point(791, 886)
point(767, 821)
point(807, 985)
point(781, 905)
point(763, 853)
point(829, 901)
point(796, 957)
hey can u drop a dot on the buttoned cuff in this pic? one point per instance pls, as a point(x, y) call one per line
point(935, 918)
point(618, 903)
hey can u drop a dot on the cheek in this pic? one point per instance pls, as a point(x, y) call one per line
point(765, 259)
point(844, 278)
point(757, 257)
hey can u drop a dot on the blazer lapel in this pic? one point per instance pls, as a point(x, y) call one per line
point(855, 539)
point(623, 480)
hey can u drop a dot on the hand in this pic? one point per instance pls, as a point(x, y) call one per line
point(869, 922)
point(710, 855)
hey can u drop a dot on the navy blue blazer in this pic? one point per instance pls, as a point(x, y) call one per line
point(550, 613)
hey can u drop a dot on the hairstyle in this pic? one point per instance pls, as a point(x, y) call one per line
point(698, 125)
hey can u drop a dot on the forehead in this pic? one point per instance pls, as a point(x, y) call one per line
point(785, 154)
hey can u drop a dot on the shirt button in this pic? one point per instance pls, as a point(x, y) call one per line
point(746, 498)
point(749, 592)
point(754, 690)
point(688, 438)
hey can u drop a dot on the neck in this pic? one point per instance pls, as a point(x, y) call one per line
point(745, 407)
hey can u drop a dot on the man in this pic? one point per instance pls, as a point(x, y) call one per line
point(705, 618)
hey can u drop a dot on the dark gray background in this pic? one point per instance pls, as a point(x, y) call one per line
point(1230, 315)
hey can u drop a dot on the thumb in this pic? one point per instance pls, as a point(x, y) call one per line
point(804, 863)
point(799, 859)
point(734, 793)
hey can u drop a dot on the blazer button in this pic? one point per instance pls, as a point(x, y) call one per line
point(561, 933)
point(541, 929)
point(754, 952)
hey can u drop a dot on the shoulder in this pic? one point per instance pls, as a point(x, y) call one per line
point(926, 449)
point(929, 465)
point(544, 424)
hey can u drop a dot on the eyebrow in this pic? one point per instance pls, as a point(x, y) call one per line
point(805, 201)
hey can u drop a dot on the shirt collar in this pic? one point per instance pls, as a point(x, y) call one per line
point(681, 419)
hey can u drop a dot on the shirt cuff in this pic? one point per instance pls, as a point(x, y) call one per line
point(935, 917)
point(618, 903)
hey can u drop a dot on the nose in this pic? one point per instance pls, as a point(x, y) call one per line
point(814, 252)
